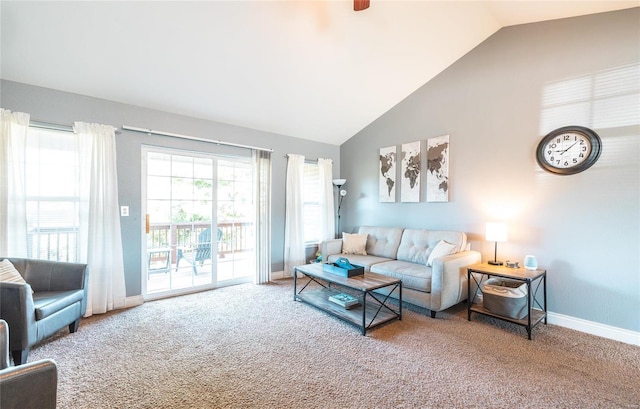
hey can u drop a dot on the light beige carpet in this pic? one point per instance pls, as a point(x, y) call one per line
point(252, 346)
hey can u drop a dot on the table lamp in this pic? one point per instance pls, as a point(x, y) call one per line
point(496, 232)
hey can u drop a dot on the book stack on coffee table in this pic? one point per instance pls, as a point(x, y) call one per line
point(345, 300)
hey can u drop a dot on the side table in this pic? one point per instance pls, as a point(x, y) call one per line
point(480, 272)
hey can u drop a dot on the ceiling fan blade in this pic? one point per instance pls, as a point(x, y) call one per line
point(360, 5)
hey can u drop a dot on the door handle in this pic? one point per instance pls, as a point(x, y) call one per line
point(147, 218)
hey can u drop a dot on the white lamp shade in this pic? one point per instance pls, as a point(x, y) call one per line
point(339, 182)
point(496, 231)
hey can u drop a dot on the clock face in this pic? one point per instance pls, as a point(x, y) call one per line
point(568, 150)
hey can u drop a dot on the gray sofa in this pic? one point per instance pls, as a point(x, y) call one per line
point(58, 299)
point(403, 253)
point(29, 386)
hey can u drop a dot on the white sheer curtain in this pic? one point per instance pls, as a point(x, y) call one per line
point(294, 254)
point(327, 215)
point(100, 217)
point(262, 164)
point(13, 219)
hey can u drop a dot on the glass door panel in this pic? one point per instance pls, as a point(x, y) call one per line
point(236, 221)
point(200, 221)
point(180, 203)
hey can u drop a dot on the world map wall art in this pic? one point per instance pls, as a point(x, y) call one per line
point(387, 184)
point(438, 169)
point(410, 172)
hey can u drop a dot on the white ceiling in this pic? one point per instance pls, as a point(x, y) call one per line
point(310, 69)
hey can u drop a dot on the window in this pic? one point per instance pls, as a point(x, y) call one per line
point(311, 202)
point(52, 195)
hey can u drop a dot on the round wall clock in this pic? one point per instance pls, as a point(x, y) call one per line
point(569, 150)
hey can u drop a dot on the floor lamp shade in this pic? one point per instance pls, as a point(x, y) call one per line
point(496, 232)
point(339, 182)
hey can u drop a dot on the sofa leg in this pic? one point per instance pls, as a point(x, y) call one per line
point(73, 327)
point(20, 356)
point(433, 314)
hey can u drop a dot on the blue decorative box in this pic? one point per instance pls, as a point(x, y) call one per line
point(334, 269)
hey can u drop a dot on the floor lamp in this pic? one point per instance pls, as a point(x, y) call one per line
point(342, 193)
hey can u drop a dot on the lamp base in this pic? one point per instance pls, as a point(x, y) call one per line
point(495, 263)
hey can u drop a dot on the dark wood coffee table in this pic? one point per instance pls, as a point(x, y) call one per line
point(374, 309)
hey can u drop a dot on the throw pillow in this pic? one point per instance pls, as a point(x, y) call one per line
point(354, 244)
point(9, 274)
point(441, 249)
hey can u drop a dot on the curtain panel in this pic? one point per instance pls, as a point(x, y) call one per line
point(294, 254)
point(100, 217)
point(327, 215)
point(262, 166)
point(13, 207)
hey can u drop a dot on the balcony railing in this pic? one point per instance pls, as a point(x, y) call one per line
point(58, 244)
point(61, 243)
point(234, 237)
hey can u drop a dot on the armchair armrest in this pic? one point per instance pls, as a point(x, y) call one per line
point(32, 385)
point(17, 309)
point(449, 278)
point(329, 247)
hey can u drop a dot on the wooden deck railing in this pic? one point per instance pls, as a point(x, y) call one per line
point(234, 236)
point(61, 244)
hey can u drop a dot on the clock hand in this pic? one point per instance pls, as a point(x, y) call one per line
point(562, 152)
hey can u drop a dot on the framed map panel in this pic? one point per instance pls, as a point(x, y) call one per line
point(438, 169)
point(410, 172)
point(387, 168)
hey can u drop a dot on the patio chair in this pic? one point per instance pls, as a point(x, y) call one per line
point(201, 253)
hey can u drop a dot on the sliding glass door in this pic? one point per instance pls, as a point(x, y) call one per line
point(199, 224)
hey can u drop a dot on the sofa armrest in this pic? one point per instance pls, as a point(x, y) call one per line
point(18, 310)
point(449, 278)
point(329, 247)
point(31, 385)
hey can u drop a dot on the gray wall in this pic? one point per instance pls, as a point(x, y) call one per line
point(496, 103)
point(64, 108)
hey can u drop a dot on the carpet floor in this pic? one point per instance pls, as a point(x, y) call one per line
point(252, 346)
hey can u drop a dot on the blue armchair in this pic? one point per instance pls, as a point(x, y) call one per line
point(58, 299)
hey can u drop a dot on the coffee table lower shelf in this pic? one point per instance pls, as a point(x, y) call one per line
point(372, 316)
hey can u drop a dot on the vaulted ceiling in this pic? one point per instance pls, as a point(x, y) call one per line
point(310, 69)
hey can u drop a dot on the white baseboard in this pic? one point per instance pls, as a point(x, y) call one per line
point(278, 275)
point(133, 301)
point(595, 328)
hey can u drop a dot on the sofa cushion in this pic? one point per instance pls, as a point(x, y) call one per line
point(9, 274)
point(441, 249)
point(50, 302)
point(416, 245)
point(414, 276)
point(382, 241)
point(354, 243)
